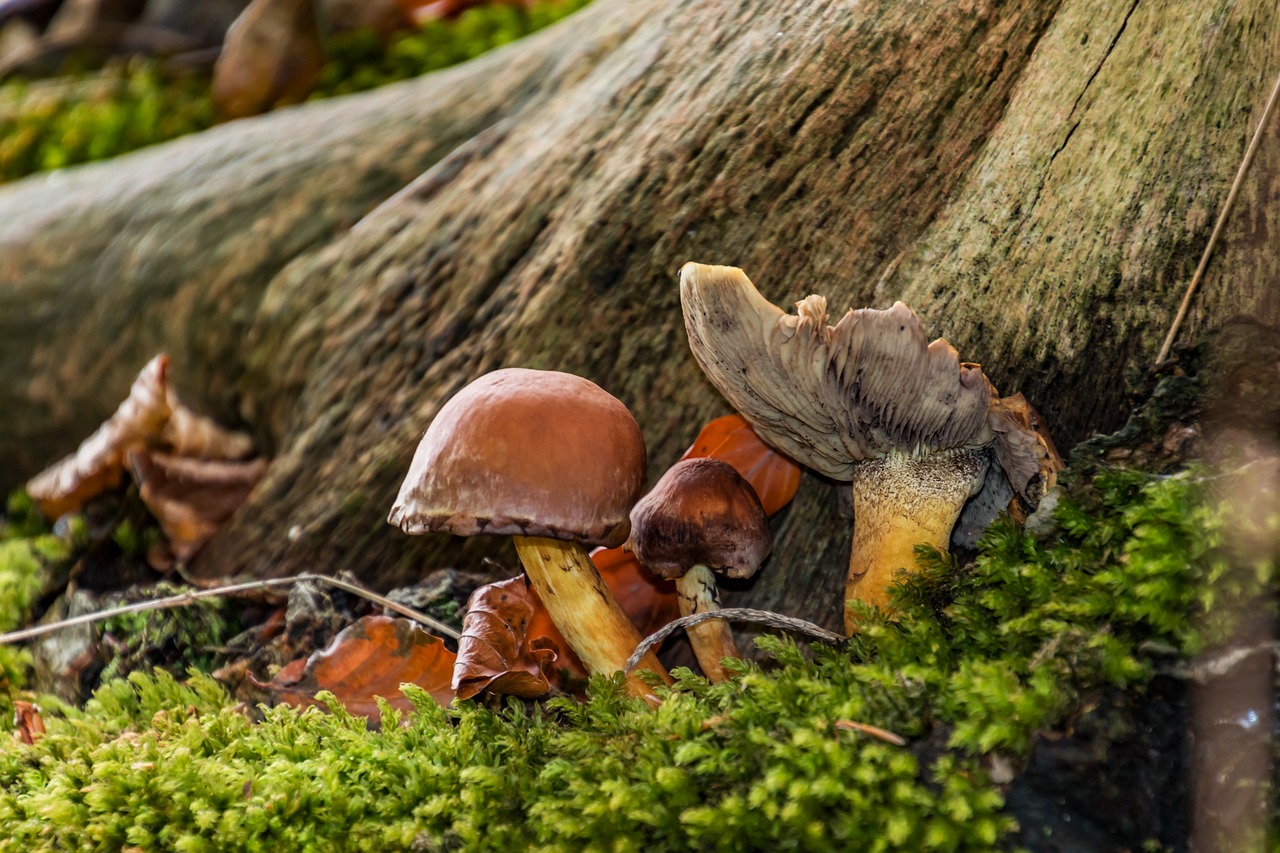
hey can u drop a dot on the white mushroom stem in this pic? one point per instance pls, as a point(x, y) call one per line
point(583, 608)
point(901, 501)
point(712, 641)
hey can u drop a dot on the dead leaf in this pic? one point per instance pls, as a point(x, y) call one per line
point(98, 464)
point(192, 498)
point(151, 417)
point(731, 439)
point(28, 724)
point(190, 434)
point(372, 657)
point(495, 652)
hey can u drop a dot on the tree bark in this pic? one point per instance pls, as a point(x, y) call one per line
point(1037, 179)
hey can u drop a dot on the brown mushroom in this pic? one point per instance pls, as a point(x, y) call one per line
point(868, 401)
point(702, 517)
point(555, 462)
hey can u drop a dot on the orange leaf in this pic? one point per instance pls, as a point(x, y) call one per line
point(649, 601)
point(731, 439)
point(494, 652)
point(191, 498)
point(28, 724)
point(371, 658)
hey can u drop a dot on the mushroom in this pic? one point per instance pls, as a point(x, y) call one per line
point(702, 516)
point(865, 401)
point(555, 462)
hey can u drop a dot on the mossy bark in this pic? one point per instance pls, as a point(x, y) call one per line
point(1036, 179)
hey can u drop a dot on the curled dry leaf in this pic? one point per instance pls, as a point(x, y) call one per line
point(731, 439)
point(191, 498)
point(27, 722)
point(151, 417)
point(98, 464)
point(190, 434)
point(372, 657)
point(496, 652)
point(1022, 413)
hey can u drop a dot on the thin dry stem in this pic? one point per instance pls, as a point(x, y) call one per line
point(1222, 219)
point(183, 599)
point(734, 614)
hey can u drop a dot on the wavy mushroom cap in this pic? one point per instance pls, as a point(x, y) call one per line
point(701, 513)
point(528, 452)
point(831, 396)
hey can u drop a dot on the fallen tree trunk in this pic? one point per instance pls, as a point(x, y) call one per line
point(1036, 179)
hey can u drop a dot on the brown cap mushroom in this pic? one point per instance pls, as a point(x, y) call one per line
point(866, 400)
point(553, 460)
point(702, 516)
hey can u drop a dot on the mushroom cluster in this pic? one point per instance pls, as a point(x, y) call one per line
point(555, 462)
point(867, 401)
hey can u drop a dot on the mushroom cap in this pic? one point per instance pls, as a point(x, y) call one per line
point(702, 512)
point(831, 396)
point(528, 452)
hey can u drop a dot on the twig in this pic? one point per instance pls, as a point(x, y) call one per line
point(1222, 219)
point(733, 614)
point(185, 598)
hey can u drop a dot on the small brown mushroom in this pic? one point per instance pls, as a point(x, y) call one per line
point(702, 516)
point(867, 401)
point(555, 462)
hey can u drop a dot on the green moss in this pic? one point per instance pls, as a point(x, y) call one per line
point(24, 565)
point(53, 124)
point(186, 637)
point(981, 660)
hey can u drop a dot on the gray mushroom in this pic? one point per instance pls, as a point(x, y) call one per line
point(866, 401)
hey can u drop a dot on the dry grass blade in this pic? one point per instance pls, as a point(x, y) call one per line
point(183, 599)
point(1222, 219)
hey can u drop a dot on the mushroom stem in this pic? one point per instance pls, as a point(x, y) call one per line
point(583, 608)
point(901, 501)
point(712, 641)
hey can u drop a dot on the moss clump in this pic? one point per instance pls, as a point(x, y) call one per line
point(176, 639)
point(52, 124)
point(980, 661)
point(24, 567)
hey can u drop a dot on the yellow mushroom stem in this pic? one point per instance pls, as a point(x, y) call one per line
point(584, 609)
point(899, 502)
point(712, 641)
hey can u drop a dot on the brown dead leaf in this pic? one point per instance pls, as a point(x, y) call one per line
point(496, 653)
point(731, 439)
point(28, 724)
point(192, 498)
point(190, 434)
point(371, 658)
point(151, 417)
point(1021, 412)
point(98, 464)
